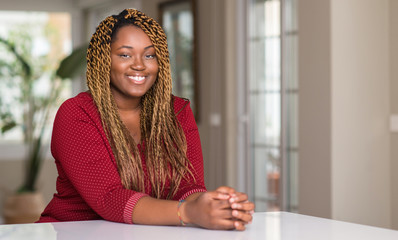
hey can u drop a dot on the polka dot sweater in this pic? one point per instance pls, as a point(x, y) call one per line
point(88, 184)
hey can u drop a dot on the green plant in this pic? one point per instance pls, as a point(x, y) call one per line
point(23, 72)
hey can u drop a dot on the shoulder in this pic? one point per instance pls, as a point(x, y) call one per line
point(82, 99)
point(81, 104)
point(184, 113)
point(180, 104)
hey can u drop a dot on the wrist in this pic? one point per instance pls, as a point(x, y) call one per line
point(184, 213)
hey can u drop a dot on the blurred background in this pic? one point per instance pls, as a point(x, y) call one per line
point(296, 100)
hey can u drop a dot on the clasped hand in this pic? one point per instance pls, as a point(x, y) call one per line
point(223, 208)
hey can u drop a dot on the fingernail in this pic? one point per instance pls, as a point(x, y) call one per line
point(236, 224)
point(235, 213)
point(224, 196)
point(234, 205)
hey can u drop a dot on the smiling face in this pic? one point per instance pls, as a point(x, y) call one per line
point(134, 66)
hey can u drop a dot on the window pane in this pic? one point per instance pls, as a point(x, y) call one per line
point(265, 65)
point(291, 62)
point(256, 14)
point(292, 123)
point(266, 178)
point(42, 39)
point(265, 117)
point(256, 66)
point(265, 18)
point(290, 15)
point(292, 160)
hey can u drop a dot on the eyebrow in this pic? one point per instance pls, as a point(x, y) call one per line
point(130, 47)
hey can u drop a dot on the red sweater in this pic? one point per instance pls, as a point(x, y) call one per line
point(88, 184)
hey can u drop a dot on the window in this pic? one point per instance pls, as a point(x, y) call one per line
point(273, 98)
point(42, 39)
point(290, 103)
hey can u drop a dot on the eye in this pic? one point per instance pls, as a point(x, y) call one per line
point(153, 56)
point(124, 55)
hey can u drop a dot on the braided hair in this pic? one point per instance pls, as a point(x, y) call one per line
point(165, 143)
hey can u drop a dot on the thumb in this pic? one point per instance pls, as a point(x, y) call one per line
point(219, 195)
point(226, 190)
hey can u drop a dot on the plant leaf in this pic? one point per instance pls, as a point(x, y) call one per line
point(25, 65)
point(8, 126)
point(74, 64)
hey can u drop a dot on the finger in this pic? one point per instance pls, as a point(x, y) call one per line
point(242, 216)
point(218, 200)
point(239, 197)
point(220, 195)
point(239, 225)
point(225, 214)
point(223, 224)
point(221, 204)
point(246, 206)
point(226, 190)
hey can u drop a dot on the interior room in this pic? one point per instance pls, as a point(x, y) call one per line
point(296, 101)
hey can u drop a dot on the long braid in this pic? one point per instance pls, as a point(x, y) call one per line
point(98, 82)
point(165, 143)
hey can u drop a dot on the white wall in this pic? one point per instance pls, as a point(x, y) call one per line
point(360, 111)
point(344, 67)
point(394, 107)
point(38, 5)
point(314, 108)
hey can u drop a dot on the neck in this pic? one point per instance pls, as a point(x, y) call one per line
point(127, 107)
point(128, 104)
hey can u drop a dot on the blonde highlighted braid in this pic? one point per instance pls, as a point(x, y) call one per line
point(165, 143)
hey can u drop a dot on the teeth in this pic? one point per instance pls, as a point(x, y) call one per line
point(137, 78)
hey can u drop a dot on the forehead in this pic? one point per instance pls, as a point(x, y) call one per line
point(131, 34)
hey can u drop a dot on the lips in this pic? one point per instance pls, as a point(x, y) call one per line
point(137, 79)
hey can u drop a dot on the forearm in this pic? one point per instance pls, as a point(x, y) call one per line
point(210, 210)
point(152, 211)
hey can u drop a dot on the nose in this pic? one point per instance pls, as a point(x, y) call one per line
point(137, 64)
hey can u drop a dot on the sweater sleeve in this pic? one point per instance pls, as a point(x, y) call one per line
point(80, 147)
point(186, 118)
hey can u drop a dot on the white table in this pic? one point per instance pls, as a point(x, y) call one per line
point(269, 226)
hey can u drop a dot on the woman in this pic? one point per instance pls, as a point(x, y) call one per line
point(127, 150)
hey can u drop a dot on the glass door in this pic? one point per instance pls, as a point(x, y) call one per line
point(273, 104)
